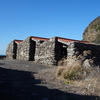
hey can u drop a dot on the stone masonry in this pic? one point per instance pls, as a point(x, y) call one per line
point(78, 52)
point(52, 51)
point(46, 52)
point(26, 50)
point(11, 50)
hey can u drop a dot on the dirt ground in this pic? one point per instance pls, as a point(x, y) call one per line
point(26, 80)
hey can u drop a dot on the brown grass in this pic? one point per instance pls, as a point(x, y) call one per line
point(86, 78)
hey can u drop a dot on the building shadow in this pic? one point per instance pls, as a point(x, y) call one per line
point(21, 85)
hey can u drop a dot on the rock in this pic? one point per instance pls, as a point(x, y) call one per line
point(88, 63)
point(92, 32)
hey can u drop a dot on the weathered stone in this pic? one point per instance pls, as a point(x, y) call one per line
point(11, 51)
point(45, 52)
point(89, 63)
point(26, 50)
point(83, 54)
point(54, 52)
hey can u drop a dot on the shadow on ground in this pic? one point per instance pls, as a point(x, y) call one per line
point(1, 63)
point(21, 85)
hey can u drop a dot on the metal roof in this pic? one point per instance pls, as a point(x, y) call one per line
point(39, 38)
point(18, 41)
point(71, 40)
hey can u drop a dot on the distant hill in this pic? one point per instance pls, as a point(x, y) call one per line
point(92, 32)
point(2, 57)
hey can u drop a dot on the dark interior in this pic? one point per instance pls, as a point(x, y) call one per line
point(61, 51)
point(15, 51)
point(64, 51)
point(32, 50)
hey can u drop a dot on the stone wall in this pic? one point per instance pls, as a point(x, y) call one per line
point(46, 52)
point(81, 52)
point(53, 51)
point(77, 48)
point(11, 50)
point(26, 50)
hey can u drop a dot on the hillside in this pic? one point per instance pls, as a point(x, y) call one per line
point(92, 32)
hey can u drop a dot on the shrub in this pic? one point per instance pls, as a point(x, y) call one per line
point(88, 79)
point(69, 73)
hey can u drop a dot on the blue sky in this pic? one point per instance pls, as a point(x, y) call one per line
point(45, 18)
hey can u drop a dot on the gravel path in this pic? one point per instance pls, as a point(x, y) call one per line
point(23, 80)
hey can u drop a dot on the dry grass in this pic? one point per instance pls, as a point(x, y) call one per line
point(70, 73)
point(86, 78)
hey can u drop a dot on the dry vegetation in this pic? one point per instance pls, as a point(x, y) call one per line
point(88, 79)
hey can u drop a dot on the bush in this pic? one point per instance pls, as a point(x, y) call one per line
point(69, 73)
point(88, 79)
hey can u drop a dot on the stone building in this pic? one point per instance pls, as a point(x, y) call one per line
point(26, 49)
point(56, 48)
point(11, 50)
point(80, 52)
point(51, 51)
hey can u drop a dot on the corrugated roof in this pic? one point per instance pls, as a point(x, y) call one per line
point(59, 39)
point(18, 41)
point(39, 38)
point(71, 40)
